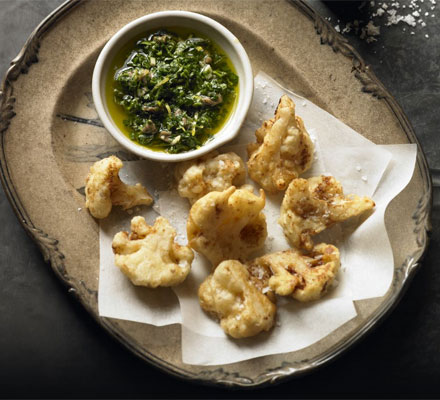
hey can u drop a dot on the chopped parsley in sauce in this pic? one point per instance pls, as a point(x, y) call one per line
point(176, 92)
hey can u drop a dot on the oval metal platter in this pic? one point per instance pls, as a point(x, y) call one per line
point(50, 135)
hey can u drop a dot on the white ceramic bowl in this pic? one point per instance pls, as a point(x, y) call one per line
point(199, 23)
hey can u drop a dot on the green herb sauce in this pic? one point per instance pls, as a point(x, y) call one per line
point(171, 91)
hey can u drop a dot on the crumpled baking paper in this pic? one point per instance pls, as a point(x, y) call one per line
point(361, 166)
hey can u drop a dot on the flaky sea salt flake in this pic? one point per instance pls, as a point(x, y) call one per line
point(409, 19)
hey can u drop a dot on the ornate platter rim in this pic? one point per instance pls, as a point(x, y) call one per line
point(218, 375)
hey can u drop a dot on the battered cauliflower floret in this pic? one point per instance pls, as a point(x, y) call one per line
point(213, 172)
point(229, 294)
point(104, 189)
point(148, 255)
point(304, 276)
point(227, 225)
point(283, 150)
point(311, 205)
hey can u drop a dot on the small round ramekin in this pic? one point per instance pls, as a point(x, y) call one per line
point(201, 24)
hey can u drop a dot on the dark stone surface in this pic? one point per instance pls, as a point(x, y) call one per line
point(51, 347)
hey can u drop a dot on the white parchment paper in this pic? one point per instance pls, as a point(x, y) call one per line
point(361, 166)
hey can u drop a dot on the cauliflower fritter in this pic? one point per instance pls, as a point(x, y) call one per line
point(283, 150)
point(227, 225)
point(304, 276)
point(229, 294)
point(312, 205)
point(104, 188)
point(212, 172)
point(148, 255)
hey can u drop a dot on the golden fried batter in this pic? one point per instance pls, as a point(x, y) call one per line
point(227, 225)
point(304, 276)
point(104, 189)
point(311, 205)
point(229, 294)
point(283, 150)
point(212, 172)
point(149, 257)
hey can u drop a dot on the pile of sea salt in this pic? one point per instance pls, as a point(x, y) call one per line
point(416, 13)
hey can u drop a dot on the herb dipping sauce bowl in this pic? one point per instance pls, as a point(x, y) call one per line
point(190, 21)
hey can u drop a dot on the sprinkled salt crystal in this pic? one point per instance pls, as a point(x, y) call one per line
point(263, 85)
point(347, 28)
point(79, 208)
point(265, 100)
point(423, 24)
point(432, 15)
point(183, 264)
point(358, 168)
point(364, 178)
point(238, 317)
point(380, 12)
point(426, 13)
point(409, 19)
point(337, 28)
point(304, 104)
point(384, 6)
point(241, 306)
point(413, 33)
point(260, 273)
point(416, 14)
point(265, 289)
point(426, 36)
point(221, 163)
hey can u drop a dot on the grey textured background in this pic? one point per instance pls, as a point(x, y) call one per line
point(50, 347)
